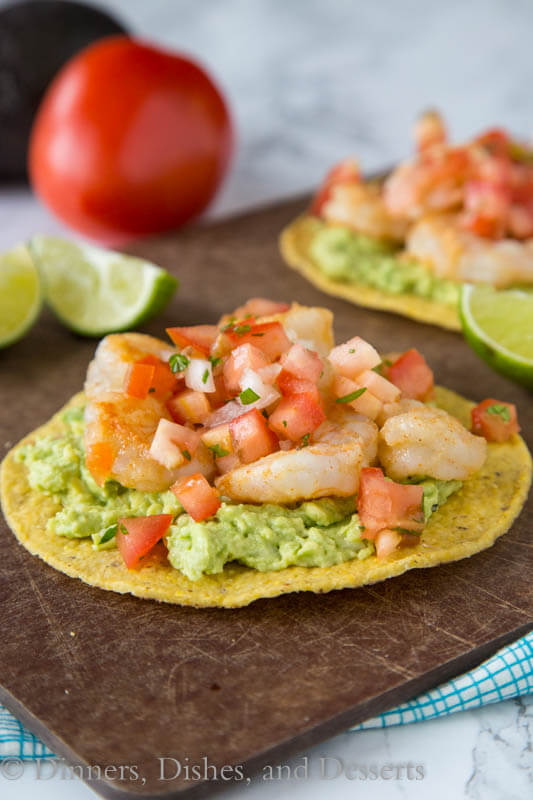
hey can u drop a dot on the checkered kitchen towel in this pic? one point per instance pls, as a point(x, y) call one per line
point(509, 673)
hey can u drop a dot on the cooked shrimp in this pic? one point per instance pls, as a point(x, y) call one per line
point(361, 206)
point(451, 252)
point(319, 470)
point(433, 182)
point(344, 425)
point(127, 424)
point(429, 441)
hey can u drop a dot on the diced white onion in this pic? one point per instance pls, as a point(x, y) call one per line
point(224, 414)
point(163, 449)
point(199, 375)
point(269, 373)
point(266, 393)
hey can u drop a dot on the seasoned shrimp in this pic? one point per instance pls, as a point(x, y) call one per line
point(319, 470)
point(344, 425)
point(126, 425)
point(429, 441)
point(361, 206)
point(451, 252)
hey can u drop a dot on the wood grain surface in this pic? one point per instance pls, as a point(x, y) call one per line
point(106, 679)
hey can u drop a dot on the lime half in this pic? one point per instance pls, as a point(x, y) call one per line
point(95, 291)
point(498, 325)
point(20, 294)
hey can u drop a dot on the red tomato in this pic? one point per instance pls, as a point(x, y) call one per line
point(288, 385)
point(129, 140)
point(243, 357)
point(384, 504)
point(494, 420)
point(345, 172)
point(297, 416)
point(164, 380)
point(303, 363)
point(411, 374)
point(139, 379)
point(251, 437)
point(269, 337)
point(142, 534)
point(200, 337)
point(198, 498)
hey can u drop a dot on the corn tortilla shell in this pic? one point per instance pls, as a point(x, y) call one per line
point(295, 241)
point(470, 521)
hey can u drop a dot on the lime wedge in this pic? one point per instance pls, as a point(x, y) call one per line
point(20, 294)
point(95, 291)
point(498, 325)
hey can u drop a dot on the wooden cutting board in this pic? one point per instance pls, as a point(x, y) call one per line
point(106, 679)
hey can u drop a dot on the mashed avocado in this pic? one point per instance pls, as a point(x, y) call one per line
point(316, 533)
point(349, 257)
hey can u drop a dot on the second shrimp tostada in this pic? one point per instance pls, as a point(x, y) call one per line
point(451, 215)
point(254, 458)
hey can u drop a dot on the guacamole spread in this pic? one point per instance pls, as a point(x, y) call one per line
point(316, 533)
point(349, 257)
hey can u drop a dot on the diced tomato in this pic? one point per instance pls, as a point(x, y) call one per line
point(139, 380)
point(365, 403)
point(494, 420)
point(173, 444)
point(486, 208)
point(353, 357)
point(303, 363)
point(245, 356)
point(289, 385)
point(297, 416)
point(198, 498)
point(200, 337)
point(218, 440)
point(380, 387)
point(388, 541)
point(260, 307)
point(99, 460)
point(345, 172)
point(384, 504)
point(220, 395)
point(189, 406)
point(412, 375)
point(142, 535)
point(269, 337)
point(164, 380)
point(495, 140)
point(251, 436)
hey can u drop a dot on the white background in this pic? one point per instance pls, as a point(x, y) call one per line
point(309, 82)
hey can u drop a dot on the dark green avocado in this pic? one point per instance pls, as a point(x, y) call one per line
point(36, 38)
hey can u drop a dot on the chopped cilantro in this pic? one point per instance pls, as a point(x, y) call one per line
point(123, 530)
point(218, 451)
point(248, 396)
point(258, 334)
point(305, 440)
point(284, 423)
point(187, 454)
point(500, 410)
point(214, 360)
point(205, 376)
point(240, 330)
point(348, 398)
point(178, 362)
point(109, 533)
point(351, 350)
point(151, 389)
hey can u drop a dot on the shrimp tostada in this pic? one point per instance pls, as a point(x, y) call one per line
point(253, 458)
point(406, 243)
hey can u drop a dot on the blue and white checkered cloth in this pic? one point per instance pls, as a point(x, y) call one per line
point(509, 673)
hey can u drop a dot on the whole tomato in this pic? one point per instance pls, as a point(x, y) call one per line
point(129, 140)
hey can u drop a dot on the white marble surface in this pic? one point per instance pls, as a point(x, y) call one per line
point(310, 82)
